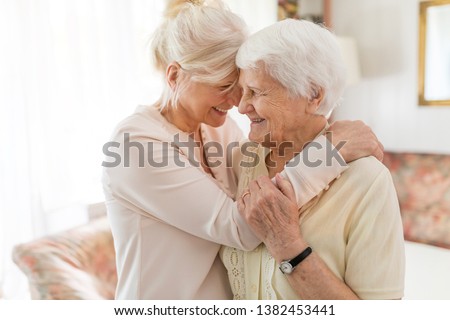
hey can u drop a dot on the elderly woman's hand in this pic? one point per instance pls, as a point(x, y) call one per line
point(272, 213)
point(360, 141)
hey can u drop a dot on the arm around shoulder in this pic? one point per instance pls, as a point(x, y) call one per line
point(313, 169)
point(177, 193)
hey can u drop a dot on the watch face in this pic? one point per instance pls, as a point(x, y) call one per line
point(286, 267)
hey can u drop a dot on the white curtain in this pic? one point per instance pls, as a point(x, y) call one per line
point(69, 71)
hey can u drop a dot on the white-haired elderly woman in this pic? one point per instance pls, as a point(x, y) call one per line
point(170, 203)
point(347, 242)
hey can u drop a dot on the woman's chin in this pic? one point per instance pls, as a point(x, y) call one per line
point(254, 138)
point(216, 122)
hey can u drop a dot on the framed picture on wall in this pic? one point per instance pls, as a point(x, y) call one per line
point(312, 10)
point(288, 9)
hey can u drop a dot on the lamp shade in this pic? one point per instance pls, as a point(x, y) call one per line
point(350, 55)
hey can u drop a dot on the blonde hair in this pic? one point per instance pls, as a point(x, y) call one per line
point(202, 37)
point(302, 56)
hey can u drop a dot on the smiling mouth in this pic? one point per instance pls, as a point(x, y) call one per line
point(257, 120)
point(220, 110)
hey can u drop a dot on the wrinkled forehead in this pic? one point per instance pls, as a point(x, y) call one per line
point(256, 77)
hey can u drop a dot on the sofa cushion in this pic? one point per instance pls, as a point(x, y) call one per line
point(74, 264)
point(423, 186)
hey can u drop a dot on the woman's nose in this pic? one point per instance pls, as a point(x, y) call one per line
point(245, 106)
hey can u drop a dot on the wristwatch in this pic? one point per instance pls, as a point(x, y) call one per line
point(288, 266)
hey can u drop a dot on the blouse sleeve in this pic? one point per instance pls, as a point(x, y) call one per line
point(161, 182)
point(313, 169)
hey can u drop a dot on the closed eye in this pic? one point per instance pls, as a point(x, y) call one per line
point(226, 88)
point(254, 93)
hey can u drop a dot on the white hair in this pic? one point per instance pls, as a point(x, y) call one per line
point(302, 56)
point(203, 38)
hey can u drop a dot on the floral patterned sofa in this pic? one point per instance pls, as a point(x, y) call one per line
point(423, 187)
point(422, 182)
point(75, 264)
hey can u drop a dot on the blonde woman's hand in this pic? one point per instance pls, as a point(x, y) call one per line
point(354, 140)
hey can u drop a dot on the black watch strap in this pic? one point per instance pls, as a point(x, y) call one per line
point(302, 256)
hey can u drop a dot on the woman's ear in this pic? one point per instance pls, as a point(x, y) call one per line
point(172, 73)
point(315, 102)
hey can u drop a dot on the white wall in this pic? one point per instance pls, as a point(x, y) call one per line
point(256, 13)
point(386, 97)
